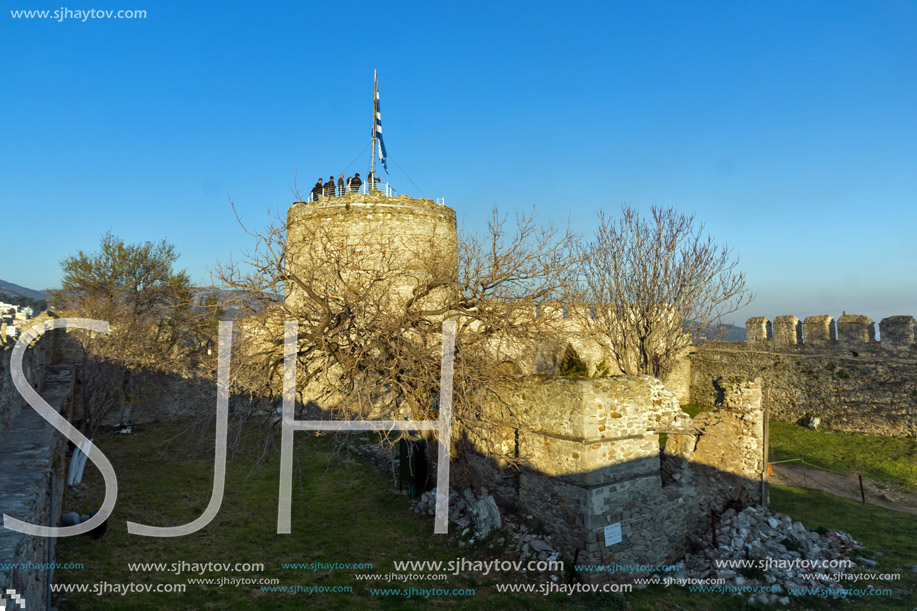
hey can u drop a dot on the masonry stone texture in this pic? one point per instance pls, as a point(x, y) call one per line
point(576, 454)
point(847, 378)
point(30, 451)
point(580, 455)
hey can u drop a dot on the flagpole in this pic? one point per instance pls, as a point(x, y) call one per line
point(372, 162)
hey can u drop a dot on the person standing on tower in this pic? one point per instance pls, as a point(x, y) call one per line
point(317, 191)
point(329, 187)
point(356, 182)
point(341, 184)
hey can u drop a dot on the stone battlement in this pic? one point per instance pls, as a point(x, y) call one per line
point(896, 332)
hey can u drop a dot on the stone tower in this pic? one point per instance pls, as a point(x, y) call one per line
point(409, 239)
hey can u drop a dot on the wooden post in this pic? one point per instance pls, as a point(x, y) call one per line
point(862, 492)
point(765, 484)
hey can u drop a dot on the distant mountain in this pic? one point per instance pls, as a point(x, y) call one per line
point(235, 304)
point(734, 333)
point(725, 333)
point(15, 290)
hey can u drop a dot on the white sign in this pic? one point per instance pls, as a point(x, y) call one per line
point(612, 534)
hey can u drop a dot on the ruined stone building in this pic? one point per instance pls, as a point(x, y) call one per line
point(579, 455)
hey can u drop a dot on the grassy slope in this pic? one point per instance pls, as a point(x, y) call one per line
point(890, 537)
point(341, 513)
point(882, 458)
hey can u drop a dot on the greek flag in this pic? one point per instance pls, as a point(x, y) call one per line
point(381, 149)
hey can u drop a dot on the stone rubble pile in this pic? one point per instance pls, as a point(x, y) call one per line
point(478, 516)
point(533, 546)
point(376, 454)
point(466, 511)
point(787, 548)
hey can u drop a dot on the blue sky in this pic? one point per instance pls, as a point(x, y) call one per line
point(790, 129)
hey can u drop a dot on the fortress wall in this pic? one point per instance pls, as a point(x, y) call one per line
point(851, 381)
point(579, 455)
point(32, 450)
point(34, 361)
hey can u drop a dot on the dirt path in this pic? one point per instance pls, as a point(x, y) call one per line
point(848, 486)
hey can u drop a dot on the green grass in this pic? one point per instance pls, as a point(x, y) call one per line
point(890, 538)
point(692, 409)
point(342, 512)
point(890, 459)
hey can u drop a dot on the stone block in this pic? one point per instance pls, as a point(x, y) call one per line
point(897, 332)
point(819, 329)
point(756, 329)
point(787, 330)
point(855, 329)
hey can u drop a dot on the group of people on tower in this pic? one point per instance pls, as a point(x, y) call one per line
point(351, 185)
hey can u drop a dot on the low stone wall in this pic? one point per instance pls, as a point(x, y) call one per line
point(580, 455)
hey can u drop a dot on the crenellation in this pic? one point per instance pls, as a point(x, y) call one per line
point(819, 329)
point(756, 329)
point(787, 330)
point(855, 329)
point(897, 333)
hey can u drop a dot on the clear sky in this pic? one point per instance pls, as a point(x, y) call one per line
point(789, 128)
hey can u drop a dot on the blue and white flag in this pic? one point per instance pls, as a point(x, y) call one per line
point(381, 149)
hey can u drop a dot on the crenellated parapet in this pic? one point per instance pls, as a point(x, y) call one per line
point(850, 330)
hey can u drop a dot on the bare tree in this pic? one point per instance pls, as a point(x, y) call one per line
point(155, 326)
point(370, 312)
point(657, 285)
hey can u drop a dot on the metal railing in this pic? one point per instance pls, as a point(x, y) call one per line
point(365, 189)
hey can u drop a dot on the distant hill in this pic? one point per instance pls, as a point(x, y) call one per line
point(15, 290)
point(726, 333)
point(734, 334)
point(234, 303)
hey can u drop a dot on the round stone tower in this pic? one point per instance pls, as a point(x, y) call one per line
point(399, 241)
